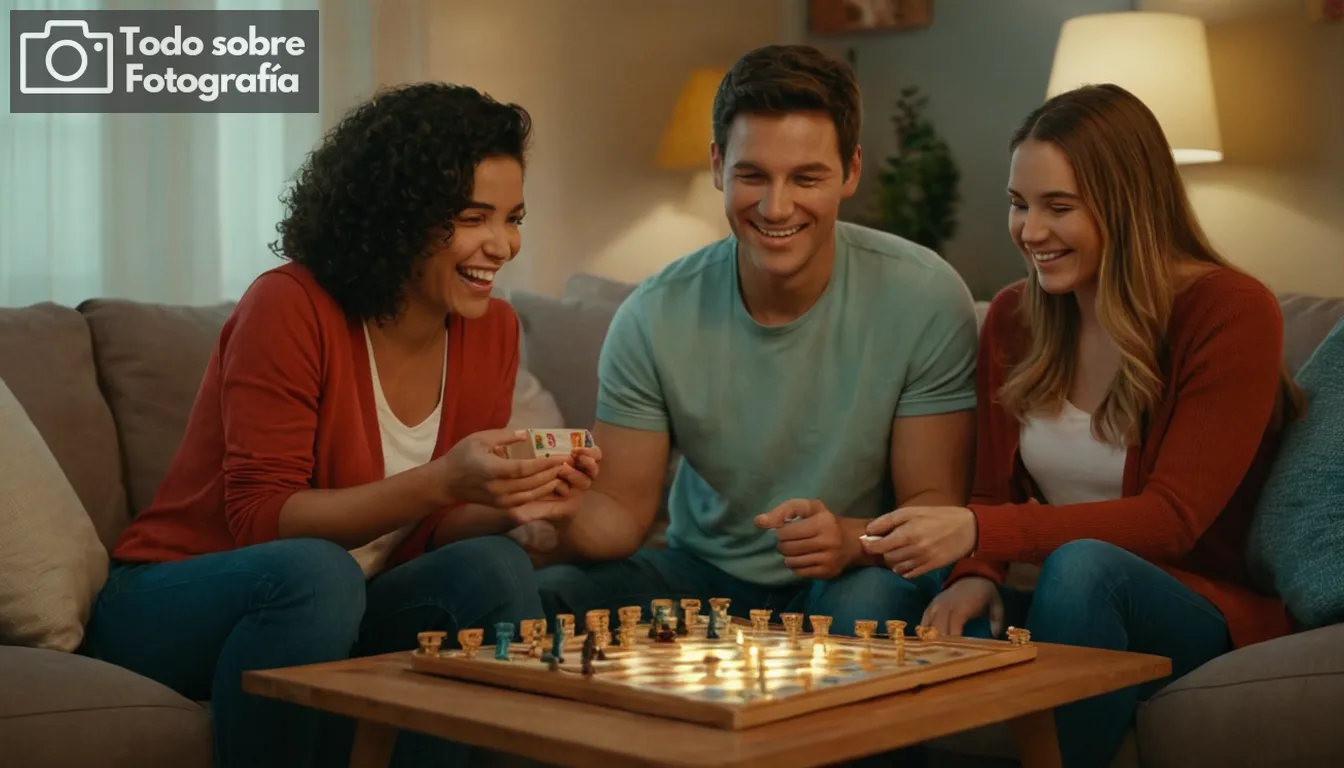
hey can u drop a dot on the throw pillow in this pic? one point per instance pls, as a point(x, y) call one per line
point(1296, 543)
point(51, 561)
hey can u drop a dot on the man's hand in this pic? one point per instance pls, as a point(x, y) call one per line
point(555, 511)
point(814, 542)
point(966, 599)
point(916, 540)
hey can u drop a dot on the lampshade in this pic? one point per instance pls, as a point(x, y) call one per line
point(685, 144)
point(1162, 58)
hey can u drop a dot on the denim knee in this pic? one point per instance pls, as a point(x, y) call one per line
point(874, 593)
point(1085, 569)
point(315, 573)
point(500, 573)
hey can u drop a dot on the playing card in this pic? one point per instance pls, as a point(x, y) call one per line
point(545, 443)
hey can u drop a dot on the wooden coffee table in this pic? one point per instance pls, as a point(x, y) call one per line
point(384, 695)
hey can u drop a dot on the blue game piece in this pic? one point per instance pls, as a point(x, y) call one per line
point(713, 632)
point(558, 643)
point(503, 636)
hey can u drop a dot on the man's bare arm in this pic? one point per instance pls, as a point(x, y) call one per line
point(617, 512)
point(932, 464)
point(933, 459)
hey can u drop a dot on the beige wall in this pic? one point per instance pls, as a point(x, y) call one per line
point(600, 78)
point(984, 66)
point(1275, 206)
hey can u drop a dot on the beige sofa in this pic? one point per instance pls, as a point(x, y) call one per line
point(109, 386)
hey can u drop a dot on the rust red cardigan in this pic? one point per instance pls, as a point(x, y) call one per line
point(1189, 486)
point(287, 404)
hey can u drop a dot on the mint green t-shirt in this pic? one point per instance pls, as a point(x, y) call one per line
point(764, 414)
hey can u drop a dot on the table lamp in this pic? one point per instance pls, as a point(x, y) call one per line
point(1161, 58)
point(689, 132)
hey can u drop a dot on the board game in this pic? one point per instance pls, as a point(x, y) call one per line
point(714, 670)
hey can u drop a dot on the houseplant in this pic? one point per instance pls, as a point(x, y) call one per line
point(918, 186)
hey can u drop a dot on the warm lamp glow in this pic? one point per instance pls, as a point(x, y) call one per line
point(685, 144)
point(1162, 58)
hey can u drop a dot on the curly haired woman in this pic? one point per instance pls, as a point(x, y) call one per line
point(342, 484)
point(1131, 397)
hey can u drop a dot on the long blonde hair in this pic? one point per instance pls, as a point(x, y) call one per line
point(1128, 182)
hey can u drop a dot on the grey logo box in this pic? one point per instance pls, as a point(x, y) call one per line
point(163, 61)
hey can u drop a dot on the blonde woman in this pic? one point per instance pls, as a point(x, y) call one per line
point(1131, 392)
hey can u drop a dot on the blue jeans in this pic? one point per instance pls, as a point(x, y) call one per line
point(862, 593)
point(196, 625)
point(1097, 595)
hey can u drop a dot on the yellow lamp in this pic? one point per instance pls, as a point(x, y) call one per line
point(689, 132)
point(1161, 58)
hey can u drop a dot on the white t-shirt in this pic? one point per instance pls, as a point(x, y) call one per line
point(1069, 465)
point(404, 447)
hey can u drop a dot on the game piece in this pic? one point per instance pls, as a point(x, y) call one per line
point(666, 634)
point(720, 605)
point(690, 611)
point(718, 683)
point(430, 642)
point(662, 609)
point(558, 643)
point(588, 654)
point(793, 624)
point(821, 628)
point(630, 616)
point(1019, 636)
point(864, 629)
point(926, 633)
point(547, 443)
point(534, 630)
point(683, 626)
point(869, 538)
point(895, 628)
point(503, 636)
point(712, 631)
point(470, 640)
point(760, 619)
point(566, 620)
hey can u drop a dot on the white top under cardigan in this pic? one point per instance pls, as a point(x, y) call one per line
point(1069, 465)
point(403, 448)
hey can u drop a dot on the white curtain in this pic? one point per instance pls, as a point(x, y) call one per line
point(171, 208)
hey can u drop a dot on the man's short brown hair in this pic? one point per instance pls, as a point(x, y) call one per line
point(778, 79)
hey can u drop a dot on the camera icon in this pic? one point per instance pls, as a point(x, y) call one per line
point(38, 68)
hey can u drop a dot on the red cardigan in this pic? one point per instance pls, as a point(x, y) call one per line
point(1189, 486)
point(287, 404)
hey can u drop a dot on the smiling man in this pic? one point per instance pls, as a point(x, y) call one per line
point(814, 374)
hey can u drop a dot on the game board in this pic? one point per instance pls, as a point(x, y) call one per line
point(751, 674)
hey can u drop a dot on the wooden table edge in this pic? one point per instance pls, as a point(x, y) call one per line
point(1027, 724)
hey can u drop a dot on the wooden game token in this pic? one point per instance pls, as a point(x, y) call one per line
point(431, 642)
point(760, 619)
point(895, 629)
point(470, 640)
point(821, 625)
point(793, 624)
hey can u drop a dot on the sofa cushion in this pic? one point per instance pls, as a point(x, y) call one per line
point(595, 288)
point(51, 562)
point(1269, 704)
point(563, 340)
point(151, 359)
point(59, 709)
point(1296, 543)
point(46, 358)
point(1306, 321)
